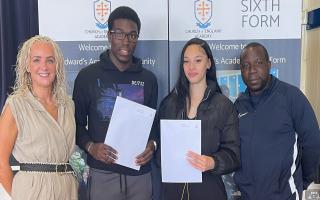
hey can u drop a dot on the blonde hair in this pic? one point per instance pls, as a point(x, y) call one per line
point(23, 82)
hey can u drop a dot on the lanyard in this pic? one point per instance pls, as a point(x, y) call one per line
point(185, 187)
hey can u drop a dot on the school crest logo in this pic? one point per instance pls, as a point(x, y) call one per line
point(101, 10)
point(203, 13)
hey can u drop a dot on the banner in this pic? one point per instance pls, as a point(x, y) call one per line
point(229, 26)
point(80, 28)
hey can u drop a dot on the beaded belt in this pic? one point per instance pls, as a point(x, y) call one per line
point(42, 167)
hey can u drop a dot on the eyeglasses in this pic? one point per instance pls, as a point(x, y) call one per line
point(132, 37)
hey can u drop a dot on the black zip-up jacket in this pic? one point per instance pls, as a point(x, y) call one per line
point(280, 143)
point(96, 88)
point(219, 139)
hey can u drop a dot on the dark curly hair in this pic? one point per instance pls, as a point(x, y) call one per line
point(124, 12)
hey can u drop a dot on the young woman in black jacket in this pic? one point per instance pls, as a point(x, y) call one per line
point(197, 95)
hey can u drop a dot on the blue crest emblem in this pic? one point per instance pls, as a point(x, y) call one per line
point(101, 10)
point(203, 12)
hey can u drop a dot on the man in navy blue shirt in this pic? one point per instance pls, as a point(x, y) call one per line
point(279, 133)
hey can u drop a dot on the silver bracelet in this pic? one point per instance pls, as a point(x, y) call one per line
point(89, 146)
point(154, 145)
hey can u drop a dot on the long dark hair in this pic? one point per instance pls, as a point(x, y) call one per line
point(182, 85)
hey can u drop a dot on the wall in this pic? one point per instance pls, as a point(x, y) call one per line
point(310, 69)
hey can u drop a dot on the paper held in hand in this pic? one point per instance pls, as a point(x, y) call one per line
point(177, 138)
point(129, 130)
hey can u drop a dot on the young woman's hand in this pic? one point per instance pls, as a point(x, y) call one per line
point(200, 162)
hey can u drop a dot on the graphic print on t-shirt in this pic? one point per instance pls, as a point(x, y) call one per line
point(107, 95)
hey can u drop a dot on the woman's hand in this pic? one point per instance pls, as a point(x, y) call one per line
point(8, 136)
point(201, 162)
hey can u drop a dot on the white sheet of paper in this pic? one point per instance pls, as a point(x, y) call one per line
point(129, 130)
point(177, 138)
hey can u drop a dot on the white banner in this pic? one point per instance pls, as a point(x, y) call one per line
point(75, 20)
point(80, 29)
point(229, 20)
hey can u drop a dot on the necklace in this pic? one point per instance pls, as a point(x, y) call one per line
point(41, 100)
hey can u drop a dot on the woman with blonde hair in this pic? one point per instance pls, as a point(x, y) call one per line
point(37, 126)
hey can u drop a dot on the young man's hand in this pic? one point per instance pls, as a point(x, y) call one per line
point(103, 152)
point(146, 156)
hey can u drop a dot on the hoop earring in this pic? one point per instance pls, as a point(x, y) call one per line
point(54, 87)
point(29, 81)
